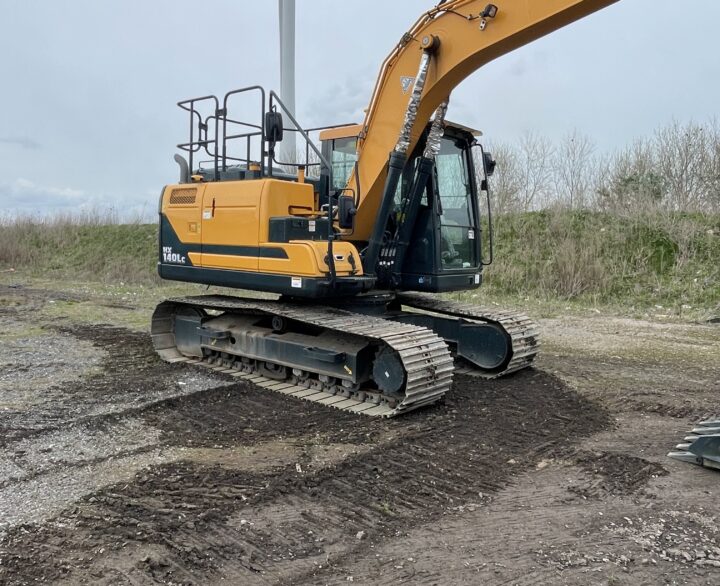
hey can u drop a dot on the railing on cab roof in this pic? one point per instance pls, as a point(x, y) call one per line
point(214, 133)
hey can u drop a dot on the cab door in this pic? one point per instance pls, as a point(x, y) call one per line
point(456, 208)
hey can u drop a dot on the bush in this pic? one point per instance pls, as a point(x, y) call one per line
point(653, 259)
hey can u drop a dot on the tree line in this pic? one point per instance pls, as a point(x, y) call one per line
point(677, 169)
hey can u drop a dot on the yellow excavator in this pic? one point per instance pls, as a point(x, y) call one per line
point(356, 239)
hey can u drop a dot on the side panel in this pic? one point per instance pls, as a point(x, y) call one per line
point(219, 236)
point(307, 258)
point(180, 223)
point(230, 225)
point(283, 198)
point(236, 217)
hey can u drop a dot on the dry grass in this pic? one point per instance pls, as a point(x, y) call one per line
point(87, 245)
point(667, 259)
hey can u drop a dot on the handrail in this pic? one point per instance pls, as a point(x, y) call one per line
point(330, 259)
point(191, 143)
point(275, 98)
point(261, 127)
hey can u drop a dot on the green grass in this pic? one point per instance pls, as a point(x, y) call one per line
point(83, 250)
point(668, 260)
point(552, 258)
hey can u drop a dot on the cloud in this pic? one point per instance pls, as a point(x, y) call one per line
point(23, 194)
point(22, 142)
point(341, 102)
point(23, 197)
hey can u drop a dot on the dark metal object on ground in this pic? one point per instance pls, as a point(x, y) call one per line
point(702, 446)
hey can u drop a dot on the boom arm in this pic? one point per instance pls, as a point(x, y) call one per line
point(467, 42)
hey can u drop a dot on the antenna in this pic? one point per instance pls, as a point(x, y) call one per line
point(286, 10)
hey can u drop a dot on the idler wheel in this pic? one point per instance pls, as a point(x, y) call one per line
point(388, 371)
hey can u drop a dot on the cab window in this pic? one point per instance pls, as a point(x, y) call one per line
point(344, 156)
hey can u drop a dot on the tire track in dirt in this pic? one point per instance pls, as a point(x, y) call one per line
point(86, 434)
point(130, 380)
point(203, 523)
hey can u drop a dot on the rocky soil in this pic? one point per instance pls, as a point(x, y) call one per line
point(116, 468)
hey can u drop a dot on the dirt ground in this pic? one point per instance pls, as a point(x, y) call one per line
point(116, 468)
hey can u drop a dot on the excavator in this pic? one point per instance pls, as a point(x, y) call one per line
point(350, 248)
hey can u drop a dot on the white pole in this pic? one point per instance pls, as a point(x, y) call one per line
point(287, 73)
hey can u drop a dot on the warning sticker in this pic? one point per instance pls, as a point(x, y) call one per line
point(296, 282)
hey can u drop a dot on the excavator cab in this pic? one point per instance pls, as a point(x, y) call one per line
point(445, 251)
point(447, 244)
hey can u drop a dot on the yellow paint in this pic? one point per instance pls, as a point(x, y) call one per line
point(228, 261)
point(464, 48)
point(306, 258)
point(230, 217)
point(341, 132)
point(237, 213)
point(184, 217)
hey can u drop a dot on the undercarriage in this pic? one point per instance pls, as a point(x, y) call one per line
point(380, 355)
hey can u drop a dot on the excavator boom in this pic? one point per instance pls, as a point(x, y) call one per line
point(470, 33)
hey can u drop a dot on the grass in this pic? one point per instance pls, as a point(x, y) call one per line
point(91, 247)
point(666, 262)
point(552, 261)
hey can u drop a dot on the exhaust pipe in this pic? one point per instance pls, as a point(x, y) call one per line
point(184, 169)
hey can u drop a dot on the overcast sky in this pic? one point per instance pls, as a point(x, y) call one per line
point(87, 107)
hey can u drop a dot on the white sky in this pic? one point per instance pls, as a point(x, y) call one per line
point(87, 107)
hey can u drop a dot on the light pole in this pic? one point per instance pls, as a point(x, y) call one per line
point(286, 10)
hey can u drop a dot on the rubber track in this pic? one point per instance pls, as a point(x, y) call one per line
point(425, 356)
point(523, 332)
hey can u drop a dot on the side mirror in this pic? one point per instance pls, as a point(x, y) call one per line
point(489, 163)
point(273, 127)
point(346, 211)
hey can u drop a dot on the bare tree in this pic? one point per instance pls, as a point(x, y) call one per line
point(677, 169)
point(573, 169)
point(629, 180)
point(506, 181)
point(535, 170)
point(712, 171)
point(683, 156)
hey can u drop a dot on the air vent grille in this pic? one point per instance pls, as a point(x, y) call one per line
point(185, 196)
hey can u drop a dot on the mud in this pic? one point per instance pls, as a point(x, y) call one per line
point(138, 472)
point(615, 474)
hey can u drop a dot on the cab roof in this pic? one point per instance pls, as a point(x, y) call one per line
point(350, 130)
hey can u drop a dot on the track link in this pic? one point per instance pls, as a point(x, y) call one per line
point(522, 331)
point(425, 357)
